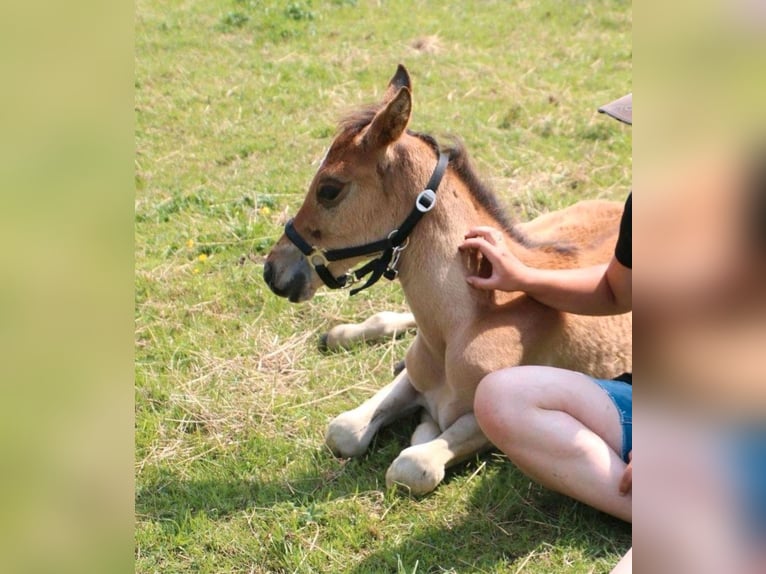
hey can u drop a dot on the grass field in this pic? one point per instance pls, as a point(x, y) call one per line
point(236, 100)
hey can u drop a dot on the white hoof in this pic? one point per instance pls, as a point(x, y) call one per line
point(335, 338)
point(346, 435)
point(415, 470)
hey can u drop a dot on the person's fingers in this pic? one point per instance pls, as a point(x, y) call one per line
point(486, 283)
point(626, 483)
point(487, 249)
point(489, 234)
point(478, 231)
point(474, 243)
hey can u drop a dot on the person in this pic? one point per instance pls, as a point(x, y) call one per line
point(570, 432)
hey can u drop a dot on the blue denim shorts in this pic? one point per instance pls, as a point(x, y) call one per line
point(621, 394)
point(745, 457)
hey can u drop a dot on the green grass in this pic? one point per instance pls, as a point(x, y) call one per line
point(236, 100)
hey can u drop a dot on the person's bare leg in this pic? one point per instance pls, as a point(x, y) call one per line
point(625, 565)
point(561, 429)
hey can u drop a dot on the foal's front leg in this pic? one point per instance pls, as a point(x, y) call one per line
point(349, 434)
point(383, 325)
point(420, 468)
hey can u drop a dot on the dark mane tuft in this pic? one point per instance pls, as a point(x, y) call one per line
point(486, 197)
point(481, 191)
point(356, 120)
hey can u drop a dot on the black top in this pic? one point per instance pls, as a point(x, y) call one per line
point(624, 249)
point(623, 252)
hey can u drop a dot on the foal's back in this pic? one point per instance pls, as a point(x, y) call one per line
point(591, 225)
point(511, 328)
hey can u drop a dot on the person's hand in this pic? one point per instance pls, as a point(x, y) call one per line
point(507, 271)
point(626, 483)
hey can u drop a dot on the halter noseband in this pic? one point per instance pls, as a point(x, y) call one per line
point(390, 248)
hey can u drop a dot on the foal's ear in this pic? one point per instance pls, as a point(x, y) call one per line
point(390, 122)
point(401, 79)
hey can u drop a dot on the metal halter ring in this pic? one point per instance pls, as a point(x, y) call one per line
point(350, 279)
point(395, 255)
point(317, 257)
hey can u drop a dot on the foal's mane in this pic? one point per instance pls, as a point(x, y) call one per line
point(356, 120)
point(481, 192)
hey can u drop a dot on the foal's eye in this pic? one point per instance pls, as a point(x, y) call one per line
point(329, 192)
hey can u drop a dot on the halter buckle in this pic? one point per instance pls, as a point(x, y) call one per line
point(425, 201)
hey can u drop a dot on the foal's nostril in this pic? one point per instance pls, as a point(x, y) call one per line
point(268, 273)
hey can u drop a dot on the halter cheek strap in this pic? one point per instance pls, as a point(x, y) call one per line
point(390, 248)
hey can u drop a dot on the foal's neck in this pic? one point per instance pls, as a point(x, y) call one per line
point(433, 270)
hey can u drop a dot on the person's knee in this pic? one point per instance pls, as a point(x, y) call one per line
point(485, 400)
point(501, 399)
point(514, 385)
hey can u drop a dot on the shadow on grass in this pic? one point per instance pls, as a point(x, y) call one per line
point(505, 520)
point(510, 520)
point(163, 495)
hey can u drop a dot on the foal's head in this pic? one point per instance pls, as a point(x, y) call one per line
point(360, 193)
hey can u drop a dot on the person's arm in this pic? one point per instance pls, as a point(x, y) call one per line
point(598, 290)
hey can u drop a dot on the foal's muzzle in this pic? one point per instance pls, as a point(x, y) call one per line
point(288, 275)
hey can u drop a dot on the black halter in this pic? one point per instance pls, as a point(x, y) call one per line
point(390, 248)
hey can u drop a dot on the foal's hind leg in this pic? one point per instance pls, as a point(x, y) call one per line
point(382, 325)
point(420, 468)
point(349, 434)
